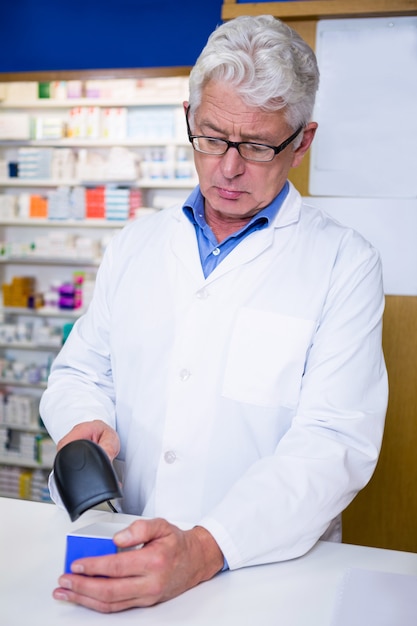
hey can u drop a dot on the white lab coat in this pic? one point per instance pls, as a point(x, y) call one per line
point(251, 402)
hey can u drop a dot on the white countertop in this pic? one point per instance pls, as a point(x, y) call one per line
point(301, 592)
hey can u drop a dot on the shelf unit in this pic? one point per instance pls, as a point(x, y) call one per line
point(145, 183)
point(26, 451)
point(21, 461)
point(159, 169)
point(17, 465)
point(146, 126)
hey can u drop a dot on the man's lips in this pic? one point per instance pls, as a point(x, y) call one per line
point(229, 194)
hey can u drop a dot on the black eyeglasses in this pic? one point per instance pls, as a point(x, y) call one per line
point(247, 149)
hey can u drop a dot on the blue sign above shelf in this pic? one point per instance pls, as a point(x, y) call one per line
point(104, 34)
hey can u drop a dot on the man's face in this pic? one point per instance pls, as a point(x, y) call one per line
point(235, 189)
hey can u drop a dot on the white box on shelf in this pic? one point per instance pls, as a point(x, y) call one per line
point(14, 126)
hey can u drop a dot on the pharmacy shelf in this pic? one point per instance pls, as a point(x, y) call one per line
point(64, 223)
point(24, 429)
point(8, 382)
point(38, 260)
point(28, 345)
point(96, 142)
point(144, 183)
point(18, 461)
point(64, 182)
point(38, 182)
point(10, 494)
point(50, 118)
point(69, 103)
point(42, 312)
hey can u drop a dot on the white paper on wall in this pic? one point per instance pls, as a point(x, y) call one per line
point(390, 225)
point(366, 108)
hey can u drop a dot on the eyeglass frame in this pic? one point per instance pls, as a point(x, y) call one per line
point(236, 144)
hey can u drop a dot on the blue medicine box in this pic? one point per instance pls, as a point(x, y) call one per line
point(93, 540)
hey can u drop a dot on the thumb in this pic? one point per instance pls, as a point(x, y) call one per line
point(110, 442)
point(140, 532)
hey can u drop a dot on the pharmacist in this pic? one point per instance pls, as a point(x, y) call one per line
point(231, 357)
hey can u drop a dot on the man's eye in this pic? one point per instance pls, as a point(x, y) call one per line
point(256, 148)
point(212, 141)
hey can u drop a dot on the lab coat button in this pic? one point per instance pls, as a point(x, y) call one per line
point(170, 457)
point(202, 294)
point(184, 375)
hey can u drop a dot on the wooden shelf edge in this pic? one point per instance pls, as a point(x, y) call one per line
point(19, 462)
point(326, 9)
point(95, 74)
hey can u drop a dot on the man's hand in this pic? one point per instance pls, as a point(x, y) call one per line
point(170, 562)
point(96, 431)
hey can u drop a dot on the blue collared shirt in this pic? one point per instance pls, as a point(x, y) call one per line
point(211, 251)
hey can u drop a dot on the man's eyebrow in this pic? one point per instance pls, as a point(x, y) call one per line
point(211, 126)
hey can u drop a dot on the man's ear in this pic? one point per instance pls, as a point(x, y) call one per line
point(307, 140)
point(185, 104)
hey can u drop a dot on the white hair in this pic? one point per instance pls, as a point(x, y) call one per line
point(266, 61)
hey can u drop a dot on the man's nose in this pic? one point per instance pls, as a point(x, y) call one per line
point(232, 163)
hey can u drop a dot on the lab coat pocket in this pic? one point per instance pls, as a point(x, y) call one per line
point(266, 358)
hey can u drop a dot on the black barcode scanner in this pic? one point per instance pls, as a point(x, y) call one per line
point(84, 477)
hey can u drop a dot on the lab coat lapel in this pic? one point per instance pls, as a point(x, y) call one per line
point(185, 248)
point(184, 241)
point(259, 241)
